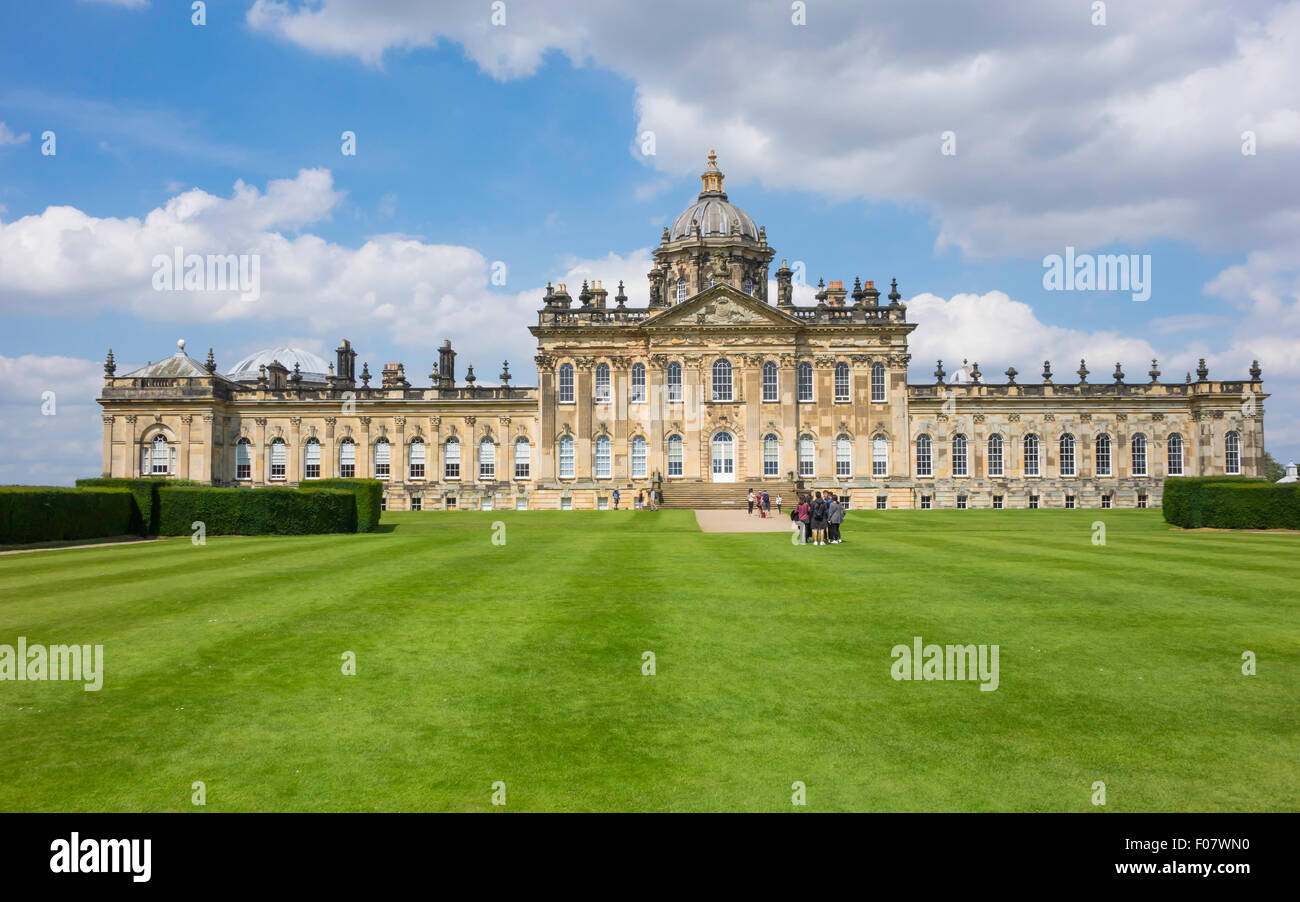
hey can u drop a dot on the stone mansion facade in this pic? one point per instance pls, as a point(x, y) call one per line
point(712, 389)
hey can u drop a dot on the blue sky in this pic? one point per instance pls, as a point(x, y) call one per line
point(522, 143)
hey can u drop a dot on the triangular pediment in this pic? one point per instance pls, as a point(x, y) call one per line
point(722, 305)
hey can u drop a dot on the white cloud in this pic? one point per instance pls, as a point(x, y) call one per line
point(49, 450)
point(7, 136)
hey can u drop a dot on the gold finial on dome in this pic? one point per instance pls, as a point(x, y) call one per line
point(711, 178)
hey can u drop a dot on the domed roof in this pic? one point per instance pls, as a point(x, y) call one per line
point(712, 210)
point(312, 368)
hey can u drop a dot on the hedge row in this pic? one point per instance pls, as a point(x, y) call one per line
point(144, 520)
point(1229, 502)
point(369, 494)
point(39, 513)
point(253, 512)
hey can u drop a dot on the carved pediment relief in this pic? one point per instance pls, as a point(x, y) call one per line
point(722, 305)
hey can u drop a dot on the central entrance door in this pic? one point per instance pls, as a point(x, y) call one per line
point(724, 457)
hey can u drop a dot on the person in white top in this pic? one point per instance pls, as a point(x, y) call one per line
point(778, 504)
point(751, 503)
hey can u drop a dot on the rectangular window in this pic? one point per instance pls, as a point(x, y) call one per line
point(566, 504)
point(487, 461)
point(961, 502)
point(451, 460)
point(416, 503)
point(843, 457)
point(882, 502)
point(347, 460)
point(602, 504)
point(521, 503)
point(603, 467)
point(1031, 456)
point(637, 393)
point(675, 457)
point(1105, 502)
point(1033, 502)
point(806, 457)
point(879, 457)
point(1067, 457)
point(450, 503)
point(674, 382)
point(485, 503)
point(523, 459)
point(771, 458)
point(566, 458)
point(925, 502)
point(417, 460)
point(638, 458)
point(602, 382)
point(995, 456)
point(805, 380)
point(878, 382)
point(278, 458)
point(841, 382)
point(1142, 500)
point(243, 461)
point(770, 385)
point(1069, 502)
point(383, 452)
point(311, 469)
point(566, 384)
point(997, 502)
point(959, 456)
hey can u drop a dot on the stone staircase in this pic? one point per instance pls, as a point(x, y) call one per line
point(722, 495)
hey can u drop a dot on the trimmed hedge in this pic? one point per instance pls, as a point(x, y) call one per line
point(369, 492)
point(41, 513)
point(1231, 502)
point(251, 512)
point(145, 491)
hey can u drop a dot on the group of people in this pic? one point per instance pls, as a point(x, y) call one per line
point(763, 502)
point(646, 500)
point(819, 516)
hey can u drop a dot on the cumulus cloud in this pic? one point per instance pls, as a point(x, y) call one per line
point(50, 419)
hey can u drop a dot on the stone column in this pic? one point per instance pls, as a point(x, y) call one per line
point(364, 452)
point(398, 465)
point(132, 447)
point(328, 470)
point(184, 470)
point(107, 469)
point(294, 453)
point(211, 465)
point(261, 465)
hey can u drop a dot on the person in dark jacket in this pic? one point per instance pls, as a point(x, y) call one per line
point(818, 517)
point(834, 520)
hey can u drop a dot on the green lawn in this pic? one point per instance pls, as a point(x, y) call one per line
point(522, 663)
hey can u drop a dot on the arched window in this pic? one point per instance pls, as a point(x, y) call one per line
point(603, 467)
point(1232, 453)
point(771, 385)
point(636, 392)
point(674, 381)
point(1103, 455)
point(771, 455)
point(877, 382)
point(1175, 467)
point(451, 459)
point(566, 383)
point(843, 456)
point(995, 455)
point(722, 380)
point(1067, 455)
point(960, 464)
point(1138, 448)
point(383, 457)
point(807, 455)
point(879, 456)
point(523, 458)
point(160, 457)
point(675, 455)
point(748, 286)
point(311, 459)
point(841, 381)
point(805, 381)
point(1031, 455)
point(924, 455)
point(415, 465)
point(279, 458)
point(487, 460)
point(244, 459)
point(602, 382)
point(681, 290)
point(638, 457)
point(566, 457)
point(347, 458)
